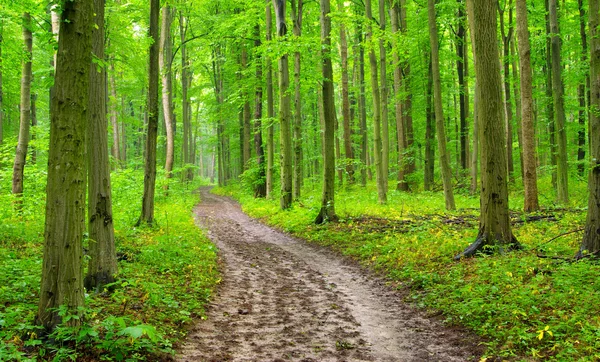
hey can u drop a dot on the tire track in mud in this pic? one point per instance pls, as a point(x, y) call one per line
point(284, 300)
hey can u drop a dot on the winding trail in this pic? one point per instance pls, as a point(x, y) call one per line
point(284, 300)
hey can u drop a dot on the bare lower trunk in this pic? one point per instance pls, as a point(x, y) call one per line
point(385, 133)
point(327, 212)
point(167, 85)
point(591, 238)
point(581, 93)
point(348, 152)
point(439, 111)
point(25, 109)
point(102, 265)
point(377, 147)
point(147, 216)
point(298, 154)
point(528, 132)
point(62, 270)
point(429, 166)
point(270, 106)
point(362, 111)
point(260, 187)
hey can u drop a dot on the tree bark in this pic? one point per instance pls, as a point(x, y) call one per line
point(506, 38)
point(186, 111)
point(245, 115)
point(348, 152)
point(581, 92)
point(327, 212)
point(362, 109)
point(591, 237)
point(270, 105)
point(461, 42)
point(494, 229)
point(475, 152)
point(439, 110)
point(385, 133)
point(62, 270)
point(102, 265)
point(284, 111)
point(167, 85)
point(559, 106)
point(25, 108)
point(407, 112)
point(147, 216)
point(401, 132)
point(34, 123)
point(429, 167)
point(260, 186)
point(377, 147)
point(528, 131)
point(298, 154)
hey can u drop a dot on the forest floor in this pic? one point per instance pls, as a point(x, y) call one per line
point(283, 299)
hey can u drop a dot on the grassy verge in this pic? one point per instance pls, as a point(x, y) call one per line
point(166, 276)
point(527, 307)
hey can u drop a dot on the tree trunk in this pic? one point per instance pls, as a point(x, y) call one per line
point(377, 147)
point(475, 154)
point(362, 109)
point(270, 105)
point(401, 132)
point(528, 130)
point(407, 113)
point(260, 187)
point(581, 93)
point(591, 238)
point(429, 138)
point(245, 115)
point(385, 133)
point(103, 258)
point(147, 215)
point(284, 111)
point(517, 97)
point(25, 108)
point(506, 38)
point(167, 85)
point(186, 80)
point(62, 270)
point(348, 152)
point(439, 110)
point(461, 42)
point(298, 155)
point(494, 229)
point(327, 212)
point(549, 101)
point(115, 149)
point(34, 124)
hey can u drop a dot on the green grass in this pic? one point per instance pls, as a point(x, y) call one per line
point(166, 276)
point(525, 307)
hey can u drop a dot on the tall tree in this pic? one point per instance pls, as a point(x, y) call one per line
point(383, 96)
point(166, 73)
point(297, 9)
point(494, 223)
point(581, 91)
point(260, 186)
point(362, 108)
point(461, 64)
point(270, 103)
point(186, 107)
point(147, 215)
point(475, 152)
point(506, 39)
point(25, 108)
point(398, 105)
point(103, 258)
point(346, 99)
point(559, 105)
point(527, 129)
point(591, 238)
point(429, 162)
point(284, 110)
point(327, 212)
point(377, 147)
point(438, 107)
point(62, 270)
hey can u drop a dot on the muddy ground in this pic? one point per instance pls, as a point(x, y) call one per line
point(284, 300)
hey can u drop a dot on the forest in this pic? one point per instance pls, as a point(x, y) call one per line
point(279, 180)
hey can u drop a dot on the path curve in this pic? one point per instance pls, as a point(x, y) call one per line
point(282, 299)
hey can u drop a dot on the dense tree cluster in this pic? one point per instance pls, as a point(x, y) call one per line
point(502, 91)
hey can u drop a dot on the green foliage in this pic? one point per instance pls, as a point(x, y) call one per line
point(166, 276)
point(523, 305)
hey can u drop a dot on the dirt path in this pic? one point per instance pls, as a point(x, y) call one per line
point(284, 300)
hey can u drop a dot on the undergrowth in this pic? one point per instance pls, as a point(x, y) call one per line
point(166, 275)
point(525, 307)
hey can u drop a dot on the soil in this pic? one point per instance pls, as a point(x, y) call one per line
point(282, 299)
